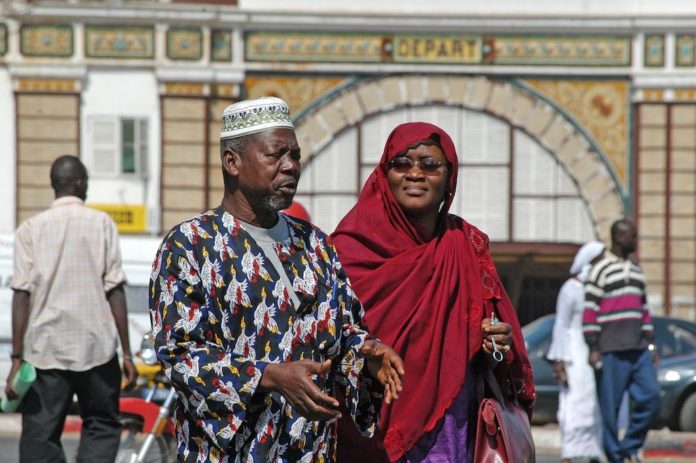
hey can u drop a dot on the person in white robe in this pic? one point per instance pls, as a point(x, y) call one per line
point(578, 410)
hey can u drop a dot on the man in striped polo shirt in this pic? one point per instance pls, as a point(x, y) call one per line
point(619, 332)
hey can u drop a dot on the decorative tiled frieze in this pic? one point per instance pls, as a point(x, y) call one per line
point(558, 51)
point(439, 49)
point(184, 44)
point(185, 88)
point(119, 42)
point(685, 52)
point(294, 46)
point(47, 85)
point(684, 94)
point(225, 90)
point(220, 45)
point(46, 40)
point(654, 51)
point(3, 39)
point(653, 94)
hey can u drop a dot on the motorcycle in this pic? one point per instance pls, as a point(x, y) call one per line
point(146, 414)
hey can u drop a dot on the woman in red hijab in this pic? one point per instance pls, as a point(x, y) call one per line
point(429, 287)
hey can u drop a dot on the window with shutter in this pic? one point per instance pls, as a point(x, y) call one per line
point(119, 146)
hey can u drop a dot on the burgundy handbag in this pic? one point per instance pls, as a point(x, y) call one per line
point(503, 433)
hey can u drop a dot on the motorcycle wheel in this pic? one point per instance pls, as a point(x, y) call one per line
point(162, 450)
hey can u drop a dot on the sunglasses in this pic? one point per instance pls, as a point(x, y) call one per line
point(402, 165)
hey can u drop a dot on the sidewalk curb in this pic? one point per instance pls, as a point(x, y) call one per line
point(660, 445)
point(668, 444)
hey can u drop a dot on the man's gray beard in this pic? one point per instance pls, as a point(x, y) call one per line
point(276, 204)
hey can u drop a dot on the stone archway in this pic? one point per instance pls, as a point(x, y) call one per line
point(320, 123)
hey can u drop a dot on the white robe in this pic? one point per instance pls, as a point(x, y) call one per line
point(578, 411)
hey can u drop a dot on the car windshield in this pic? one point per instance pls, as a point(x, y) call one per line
point(674, 338)
point(538, 331)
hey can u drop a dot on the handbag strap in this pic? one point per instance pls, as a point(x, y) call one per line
point(493, 386)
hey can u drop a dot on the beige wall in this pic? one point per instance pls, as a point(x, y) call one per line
point(47, 127)
point(666, 202)
point(190, 156)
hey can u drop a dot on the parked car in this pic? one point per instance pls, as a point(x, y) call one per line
point(675, 341)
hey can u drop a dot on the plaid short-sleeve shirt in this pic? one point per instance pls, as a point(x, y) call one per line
point(68, 258)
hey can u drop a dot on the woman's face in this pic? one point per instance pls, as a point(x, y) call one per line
point(418, 191)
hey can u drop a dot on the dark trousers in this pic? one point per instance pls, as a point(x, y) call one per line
point(631, 371)
point(47, 404)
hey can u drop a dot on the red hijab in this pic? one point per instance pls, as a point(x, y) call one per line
point(425, 298)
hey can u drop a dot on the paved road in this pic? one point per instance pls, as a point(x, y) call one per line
point(9, 448)
point(9, 451)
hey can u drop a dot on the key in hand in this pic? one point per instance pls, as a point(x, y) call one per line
point(497, 355)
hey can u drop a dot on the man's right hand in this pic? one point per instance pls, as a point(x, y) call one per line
point(560, 373)
point(595, 359)
point(9, 392)
point(294, 381)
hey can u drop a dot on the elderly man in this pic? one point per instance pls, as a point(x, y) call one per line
point(253, 317)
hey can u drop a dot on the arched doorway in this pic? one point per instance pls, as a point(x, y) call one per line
point(529, 175)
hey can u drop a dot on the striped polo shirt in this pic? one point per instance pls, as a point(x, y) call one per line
point(616, 316)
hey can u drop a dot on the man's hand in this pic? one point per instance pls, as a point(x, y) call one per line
point(130, 373)
point(560, 373)
point(595, 359)
point(502, 333)
point(655, 355)
point(9, 392)
point(656, 359)
point(385, 365)
point(294, 381)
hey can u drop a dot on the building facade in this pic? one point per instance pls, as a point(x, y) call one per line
point(566, 117)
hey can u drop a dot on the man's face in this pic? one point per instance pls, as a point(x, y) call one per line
point(628, 238)
point(269, 169)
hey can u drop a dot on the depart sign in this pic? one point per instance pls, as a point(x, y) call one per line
point(448, 49)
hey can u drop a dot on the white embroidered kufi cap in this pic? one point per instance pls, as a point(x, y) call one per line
point(253, 116)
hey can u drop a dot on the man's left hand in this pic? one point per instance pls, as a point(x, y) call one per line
point(385, 365)
point(9, 391)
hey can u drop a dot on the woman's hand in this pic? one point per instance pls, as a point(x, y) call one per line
point(385, 365)
point(501, 333)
